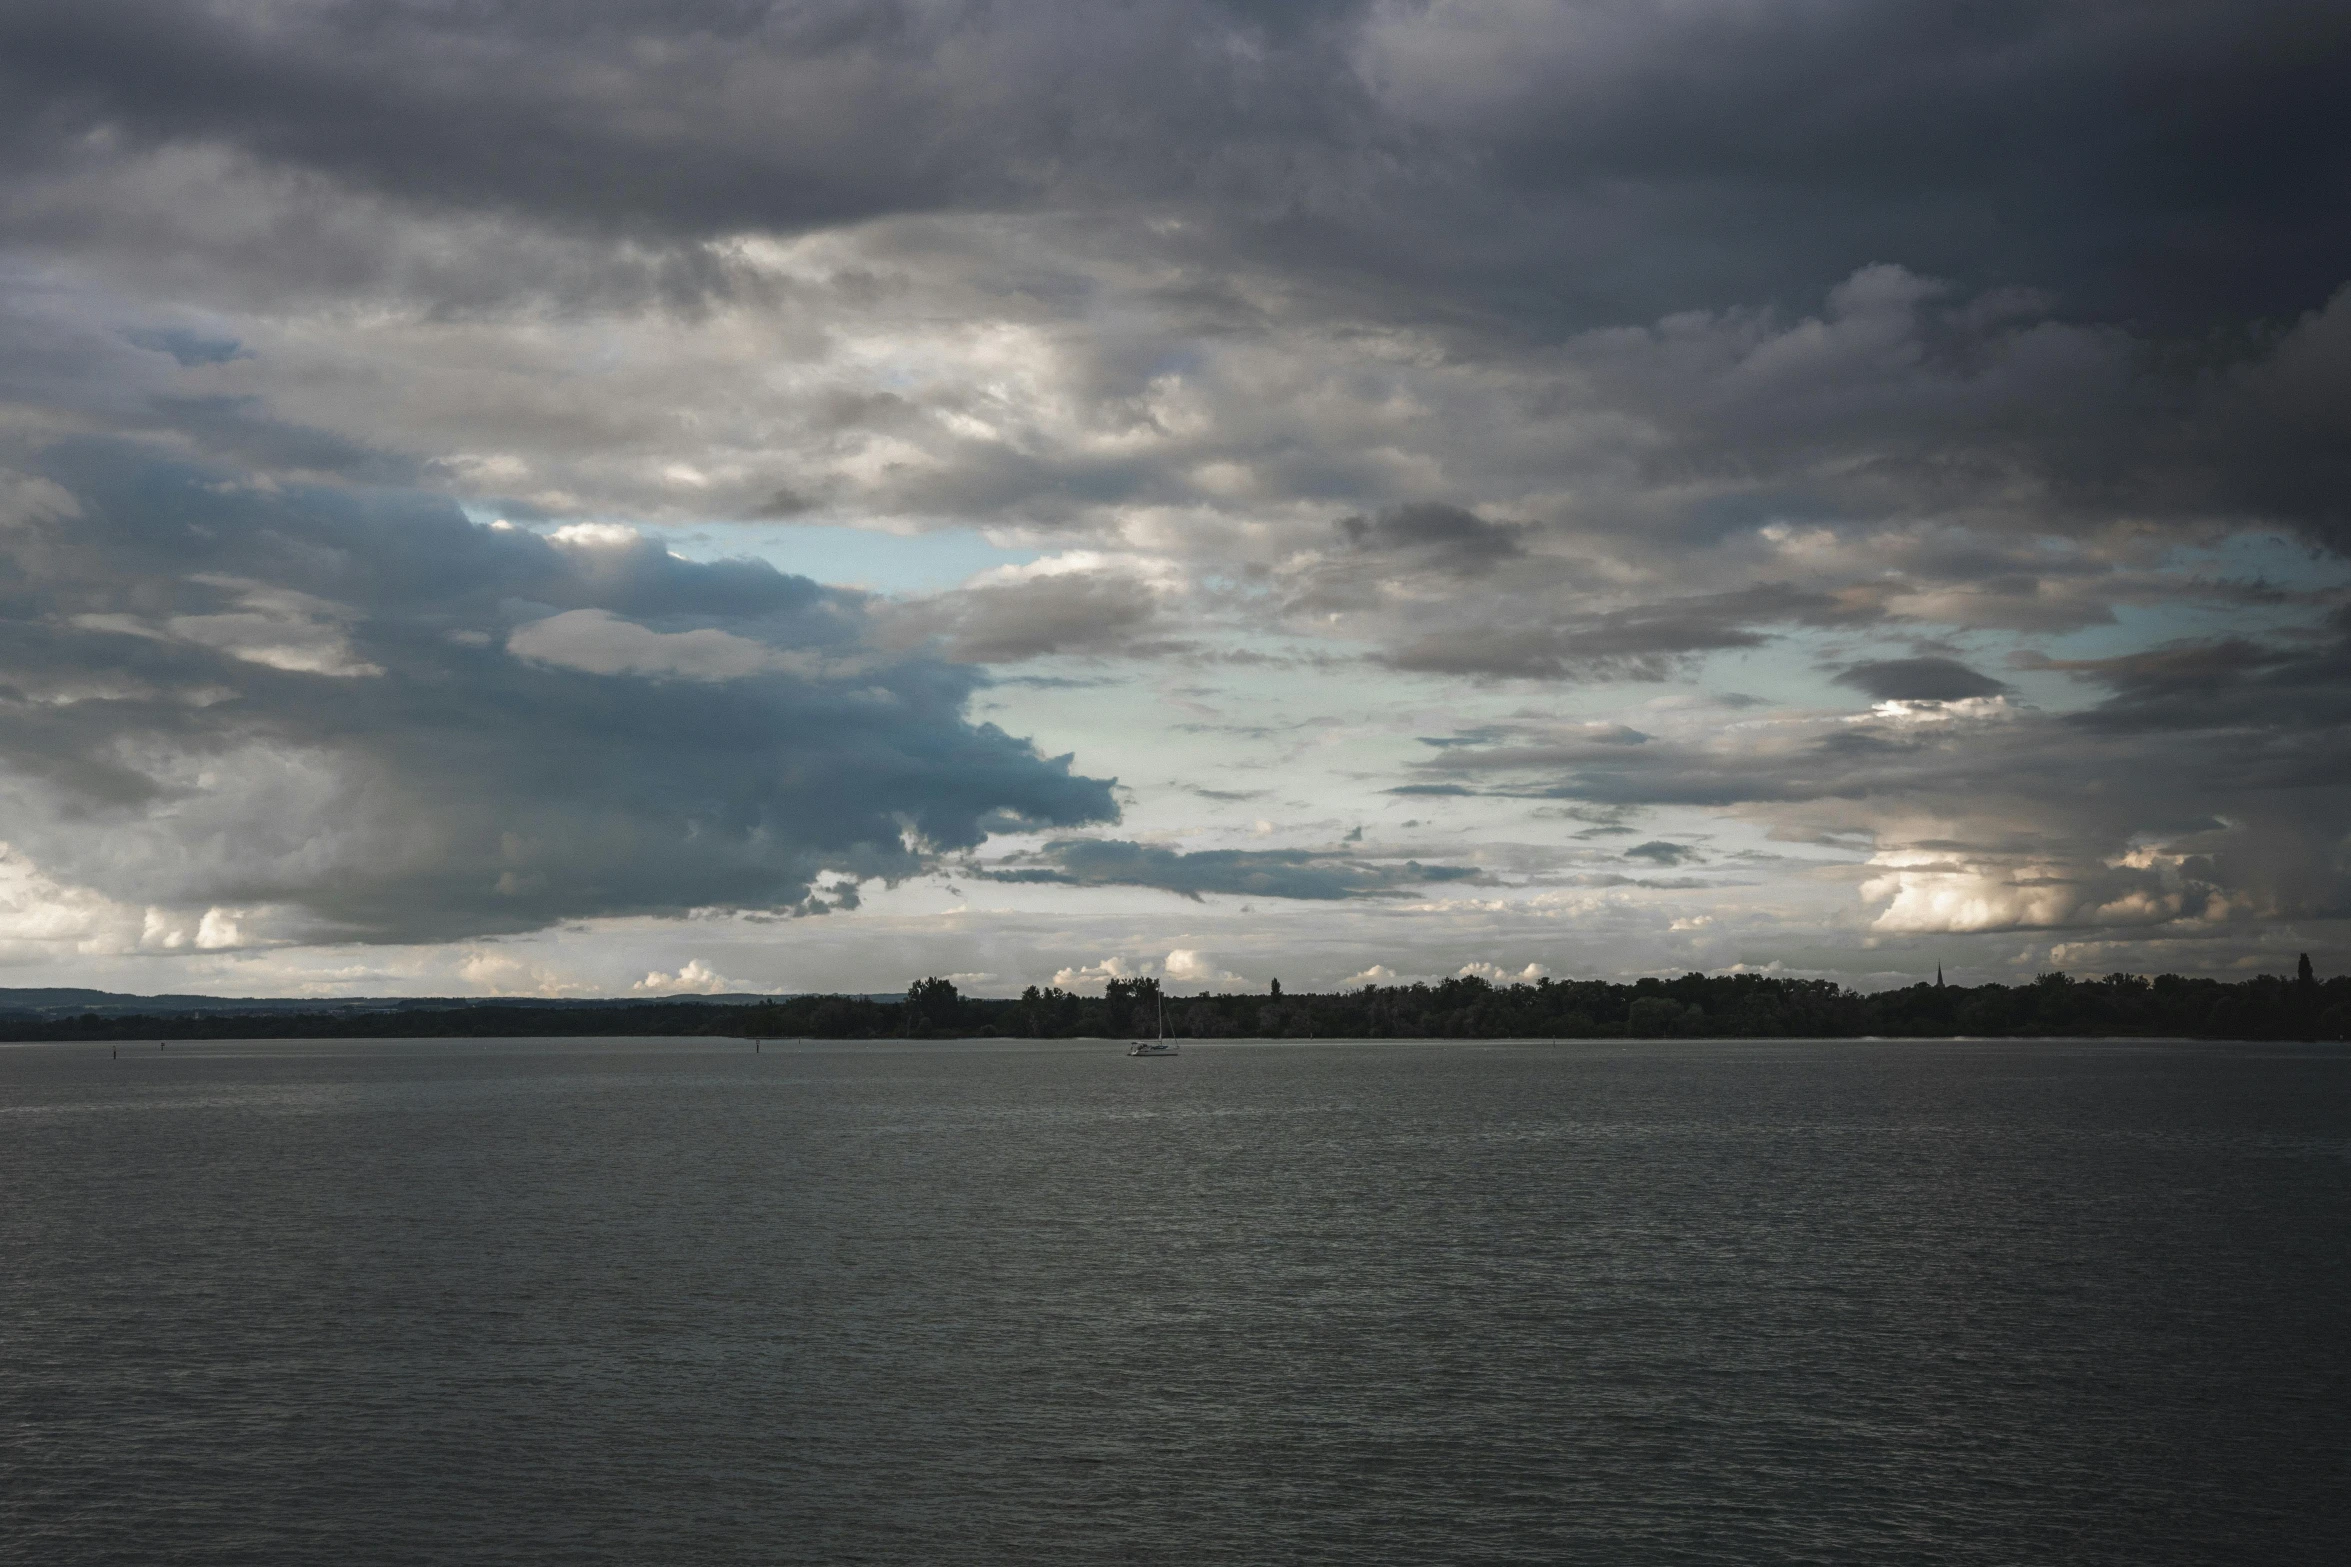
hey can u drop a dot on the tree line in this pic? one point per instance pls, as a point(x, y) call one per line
point(1694, 1006)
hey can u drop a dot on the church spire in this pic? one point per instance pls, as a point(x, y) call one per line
point(1938, 976)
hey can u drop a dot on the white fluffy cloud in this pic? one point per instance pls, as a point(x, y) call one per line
point(693, 977)
point(1497, 974)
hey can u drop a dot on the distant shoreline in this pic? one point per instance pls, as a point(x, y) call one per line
point(1693, 1006)
point(1232, 1039)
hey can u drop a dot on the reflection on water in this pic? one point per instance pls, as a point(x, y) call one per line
point(599, 1301)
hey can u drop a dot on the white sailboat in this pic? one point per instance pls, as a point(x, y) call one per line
point(1155, 1047)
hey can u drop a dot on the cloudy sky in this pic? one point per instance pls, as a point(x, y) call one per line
point(516, 497)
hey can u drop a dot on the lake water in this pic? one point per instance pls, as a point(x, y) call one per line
point(1619, 1302)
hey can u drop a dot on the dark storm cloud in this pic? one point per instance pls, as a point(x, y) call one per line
point(1443, 538)
point(2157, 160)
point(682, 120)
point(1919, 680)
point(2184, 163)
point(2142, 160)
point(1642, 642)
point(1265, 873)
point(1501, 177)
point(1571, 342)
point(2222, 684)
point(361, 705)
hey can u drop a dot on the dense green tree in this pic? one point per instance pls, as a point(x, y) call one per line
point(933, 1006)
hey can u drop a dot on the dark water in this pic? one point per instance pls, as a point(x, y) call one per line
point(656, 1301)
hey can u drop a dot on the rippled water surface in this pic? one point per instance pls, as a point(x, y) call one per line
point(670, 1301)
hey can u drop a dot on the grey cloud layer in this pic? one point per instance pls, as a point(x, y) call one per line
point(2183, 161)
point(408, 726)
point(1304, 263)
point(1309, 874)
point(1476, 346)
point(2211, 785)
point(1081, 612)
